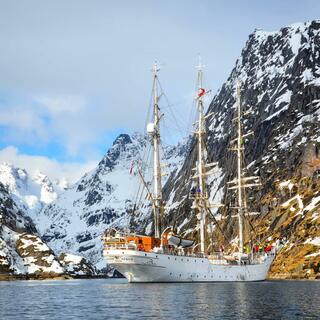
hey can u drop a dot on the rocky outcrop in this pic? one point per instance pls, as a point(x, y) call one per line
point(77, 266)
point(37, 257)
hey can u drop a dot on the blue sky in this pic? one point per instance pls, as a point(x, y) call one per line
point(74, 74)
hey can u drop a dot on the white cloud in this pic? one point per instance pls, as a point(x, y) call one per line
point(68, 120)
point(23, 123)
point(61, 104)
point(51, 167)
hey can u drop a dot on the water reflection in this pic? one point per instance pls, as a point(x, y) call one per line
point(116, 299)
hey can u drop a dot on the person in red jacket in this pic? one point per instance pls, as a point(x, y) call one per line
point(268, 248)
point(140, 245)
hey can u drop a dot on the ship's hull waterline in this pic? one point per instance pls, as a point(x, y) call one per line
point(139, 266)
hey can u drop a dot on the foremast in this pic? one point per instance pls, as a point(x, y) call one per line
point(241, 182)
point(154, 131)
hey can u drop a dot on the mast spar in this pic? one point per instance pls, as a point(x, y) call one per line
point(239, 167)
point(201, 177)
point(203, 169)
point(153, 129)
point(241, 182)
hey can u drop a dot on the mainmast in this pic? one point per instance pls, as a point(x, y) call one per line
point(200, 195)
point(154, 130)
point(201, 178)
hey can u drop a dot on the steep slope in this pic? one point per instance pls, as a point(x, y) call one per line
point(101, 199)
point(279, 74)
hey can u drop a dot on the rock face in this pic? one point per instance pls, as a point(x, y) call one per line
point(101, 199)
point(77, 266)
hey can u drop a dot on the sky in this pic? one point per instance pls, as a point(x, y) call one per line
point(75, 74)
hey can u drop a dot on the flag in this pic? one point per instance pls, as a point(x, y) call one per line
point(201, 92)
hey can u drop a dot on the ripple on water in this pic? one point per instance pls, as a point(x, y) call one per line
point(116, 299)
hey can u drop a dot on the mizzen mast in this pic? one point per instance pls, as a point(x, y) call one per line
point(241, 182)
point(239, 168)
point(153, 129)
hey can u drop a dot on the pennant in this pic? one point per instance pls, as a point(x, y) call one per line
point(201, 92)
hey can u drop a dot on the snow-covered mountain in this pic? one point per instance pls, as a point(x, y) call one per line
point(23, 253)
point(30, 192)
point(102, 198)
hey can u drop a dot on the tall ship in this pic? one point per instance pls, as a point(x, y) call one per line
point(166, 257)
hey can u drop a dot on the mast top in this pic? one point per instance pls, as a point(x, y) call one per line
point(200, 66)
point(155, 68)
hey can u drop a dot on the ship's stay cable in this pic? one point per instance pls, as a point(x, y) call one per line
point(218, 225)
point(169, 106)
point(142, 166)
point(143, 161)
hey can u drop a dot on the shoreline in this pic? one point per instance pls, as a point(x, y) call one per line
point(17, 277)
point(12, 277)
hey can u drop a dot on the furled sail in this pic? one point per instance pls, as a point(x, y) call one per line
point(176, 241)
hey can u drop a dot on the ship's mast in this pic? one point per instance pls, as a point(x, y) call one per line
point(239, 167)
point(201, 192)
point(242, 182)
point(154, 130)
point(203, 168)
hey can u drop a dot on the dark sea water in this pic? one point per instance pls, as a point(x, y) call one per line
point(116, 299)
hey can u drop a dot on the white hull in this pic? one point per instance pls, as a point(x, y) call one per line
point(138, 266)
